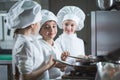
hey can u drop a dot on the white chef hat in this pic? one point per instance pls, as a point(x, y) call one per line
point(23, 13)
point(47, 15)
point(71, 13)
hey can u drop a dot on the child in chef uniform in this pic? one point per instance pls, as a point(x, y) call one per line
point(24, 16)
point(71, 19)
point(48, 32)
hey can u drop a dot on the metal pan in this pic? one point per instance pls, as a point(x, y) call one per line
point(63, 62)
point(89, 59)
point(80, 67)
point(105, 4)
point(85, 68)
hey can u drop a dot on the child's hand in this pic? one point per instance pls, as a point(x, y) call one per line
point(61, 66)
point(51, 62)
point(64, 55)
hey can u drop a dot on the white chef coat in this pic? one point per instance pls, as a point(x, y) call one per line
point(54, 51)
point(72, 44)
point(27, 56)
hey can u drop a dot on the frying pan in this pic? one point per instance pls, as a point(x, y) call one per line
point(85, 68)
point(85, 65)
point(85, 61)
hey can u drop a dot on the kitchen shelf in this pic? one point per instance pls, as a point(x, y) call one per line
point(5, 59)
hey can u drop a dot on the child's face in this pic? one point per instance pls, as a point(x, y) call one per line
point(69, 26)
point(35, 28)
point(49, 30)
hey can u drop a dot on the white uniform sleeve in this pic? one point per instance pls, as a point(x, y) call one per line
point(24, 59)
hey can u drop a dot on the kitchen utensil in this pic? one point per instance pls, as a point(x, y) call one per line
point(77, 57)
point(85, 59)
point(80, 68)
point(105, 4)
point(63, 62)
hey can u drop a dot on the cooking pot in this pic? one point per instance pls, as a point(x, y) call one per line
point(105, 4)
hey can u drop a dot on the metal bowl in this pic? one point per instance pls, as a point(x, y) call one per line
point(105, 4)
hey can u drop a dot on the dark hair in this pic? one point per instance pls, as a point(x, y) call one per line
point(21, 30)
